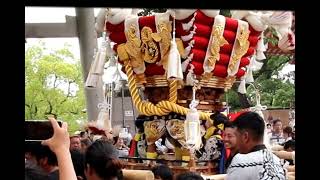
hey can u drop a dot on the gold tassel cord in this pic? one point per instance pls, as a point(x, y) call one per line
point(173, 91)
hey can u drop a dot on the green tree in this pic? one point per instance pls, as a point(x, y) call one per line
point(276, 91)
point(54, 84)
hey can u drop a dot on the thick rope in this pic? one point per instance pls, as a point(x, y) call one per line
point(163, 107)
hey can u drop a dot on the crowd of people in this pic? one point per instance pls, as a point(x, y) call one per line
point(82, 157)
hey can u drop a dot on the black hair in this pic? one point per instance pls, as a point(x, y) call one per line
point(189, 176)
point(78, 162)
point(103, 158)
point(218, 118)
point(229, 124)
point(82, 133)
point(86, 141)
point(252, 122)
point(289, 144)
point(139, 123)
point(33, 172)
point(287, 130)
point(268, 124)
point(275, 121)
point(41, 151)
point(162, 171)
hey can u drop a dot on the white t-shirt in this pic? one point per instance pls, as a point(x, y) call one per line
point(258, 165)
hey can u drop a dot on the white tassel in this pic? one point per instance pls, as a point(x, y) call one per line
point(174, 63)
point(187, 26)
point(261, 48)
point(242, 87)
point(249, 76)
point(255, 66)
point(189, 36)
point(260, 55)
point(174, 70)
point(186, 62)
point(188, 49)
point(189, 78)
point(96, 70)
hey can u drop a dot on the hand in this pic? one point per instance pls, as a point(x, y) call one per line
point(60, 140)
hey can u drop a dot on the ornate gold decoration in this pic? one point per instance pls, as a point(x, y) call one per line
point(154, 130)
point(165, 35)
point(207, 75)
point(141, 78)
point(122, 53)
point(148, 47)
point(132, 47)
point(218, 41)
point(242, 46)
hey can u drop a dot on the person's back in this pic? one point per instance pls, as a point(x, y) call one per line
point(261, 163)
point(189, 176)
point(254, 161)
point(102, 163)
point(78, 163)
point(33, 172)
point(47, 160)
point(162, 172)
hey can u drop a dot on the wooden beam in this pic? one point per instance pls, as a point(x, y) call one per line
point(52, 30)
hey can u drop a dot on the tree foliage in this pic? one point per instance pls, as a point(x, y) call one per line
point(275, 90)
point(53, 85)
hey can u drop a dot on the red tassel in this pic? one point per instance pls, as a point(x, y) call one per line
point(244, 61)
point(118, 37)
point(198, 68)
point(154, 69)
point(204, 19)
point(254, 32)
point(200, 42)
point(230, 36)
point(203, 30)
point(231, 24)
point(240, 73)
point(250, 51)
point(198, 55)
point(180, 31)
point(220, 71)
point(147, 21)
point(224, 59)
point(253, 40)
point(115, 27)
point(226, 49)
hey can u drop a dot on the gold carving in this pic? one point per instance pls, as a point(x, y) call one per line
point(149, 48)
point(218, 41)
point(241, 49)
point(122, 53)
point(165, 35)
point(133, 48)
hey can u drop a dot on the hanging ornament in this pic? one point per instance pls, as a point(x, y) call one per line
point(192, 124)
point(174, 69)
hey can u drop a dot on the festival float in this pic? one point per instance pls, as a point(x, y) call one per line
point(179, 64)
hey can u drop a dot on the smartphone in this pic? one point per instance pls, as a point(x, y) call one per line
point(38, 130)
